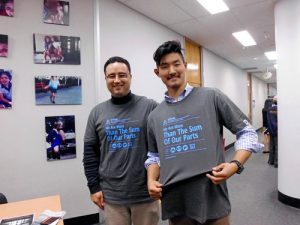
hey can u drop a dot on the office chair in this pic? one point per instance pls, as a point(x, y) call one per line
point(3, 199)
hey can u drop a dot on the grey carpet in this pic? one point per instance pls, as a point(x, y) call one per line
point(253, 195)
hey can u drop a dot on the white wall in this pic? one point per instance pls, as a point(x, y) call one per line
point(272, 90)
point(126, 33)
point(231, 80)
point(287, 23)
point(24, 171)
point(259, 95)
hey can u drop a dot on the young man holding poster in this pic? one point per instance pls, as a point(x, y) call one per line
point(186, 165)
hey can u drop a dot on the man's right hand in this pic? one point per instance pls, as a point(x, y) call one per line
point(155, 189)
point(98, 199)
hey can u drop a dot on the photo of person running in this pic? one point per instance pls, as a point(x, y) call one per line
point(53, 86)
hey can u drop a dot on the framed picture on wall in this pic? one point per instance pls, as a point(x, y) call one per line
point(7, 8)
point(3, 45)
point(57, 90)
point(55, 49)
point(5, 89)
point(56, 12)
point(60, 137)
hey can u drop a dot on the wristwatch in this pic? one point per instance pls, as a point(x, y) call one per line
point(239, 165)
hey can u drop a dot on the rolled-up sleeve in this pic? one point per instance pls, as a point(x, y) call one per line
point(153, 158)
point(247, 139)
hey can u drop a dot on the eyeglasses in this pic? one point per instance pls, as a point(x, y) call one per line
point(120, 76)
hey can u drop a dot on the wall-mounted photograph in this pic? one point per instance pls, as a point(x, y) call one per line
point(56, 12)
point(3, 45)
point(55, 49)
point(60, 137)
point(5, 89)
point(57, 90)
point(7, 8)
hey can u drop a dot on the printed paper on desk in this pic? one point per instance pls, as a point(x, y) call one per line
point(49, 217)
point(20, 220)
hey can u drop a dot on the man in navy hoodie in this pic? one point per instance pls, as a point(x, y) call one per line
point(273, 130)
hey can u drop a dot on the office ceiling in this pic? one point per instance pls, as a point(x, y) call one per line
point(214, 32)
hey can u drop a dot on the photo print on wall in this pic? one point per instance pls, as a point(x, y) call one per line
point(3, 45)
point(56, 12)
point(7, 8)
point(5, 89)
point(60, 137)
point(55, 49)
point(57, 90)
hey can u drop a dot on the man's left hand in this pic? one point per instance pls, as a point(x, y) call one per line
point(222, 172)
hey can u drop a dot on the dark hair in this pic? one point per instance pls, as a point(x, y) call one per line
point(116, 59)
point(6, 73)
point(5, 1)
point(3, 38)
point(47, 39)
point(167, 48)
point(268, 103)
point(55, 38)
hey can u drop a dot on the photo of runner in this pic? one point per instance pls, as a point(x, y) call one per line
point(57, 90)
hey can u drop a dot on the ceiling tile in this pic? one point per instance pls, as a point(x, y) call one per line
point(191, 7)
point(241, 3)
point(164, 12)
point(201, 34)
point(264, 36)
point(255, 15)
point(213, 22)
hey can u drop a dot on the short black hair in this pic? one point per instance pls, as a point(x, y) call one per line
point(117, 59)
point(167, 48)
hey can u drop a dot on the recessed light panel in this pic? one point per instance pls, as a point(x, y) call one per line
point(214, 6)
point(244, 38)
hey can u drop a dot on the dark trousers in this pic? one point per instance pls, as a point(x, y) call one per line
point(187, 221)
point(273, 156)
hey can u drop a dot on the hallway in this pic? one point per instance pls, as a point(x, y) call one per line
point(253, 195)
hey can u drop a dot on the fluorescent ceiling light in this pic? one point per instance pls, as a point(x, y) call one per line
point(271, 55)
point(214, 6)
point(244, 38)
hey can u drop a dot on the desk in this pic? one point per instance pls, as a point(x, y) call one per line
point(32, 206)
